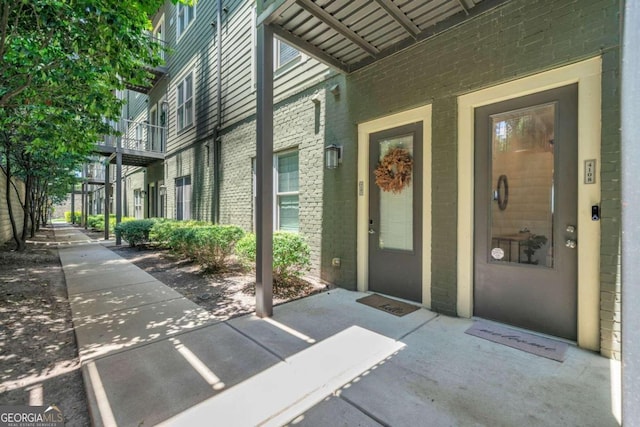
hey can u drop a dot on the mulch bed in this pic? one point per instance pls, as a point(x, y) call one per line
point(38, 352)
point(225, 294)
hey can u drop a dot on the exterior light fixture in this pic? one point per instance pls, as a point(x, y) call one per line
point(163, 190)
point(332, 156)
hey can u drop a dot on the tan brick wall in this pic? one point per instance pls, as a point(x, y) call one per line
point(6, 232)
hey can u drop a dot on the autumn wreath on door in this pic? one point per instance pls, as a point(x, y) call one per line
point(394, 170)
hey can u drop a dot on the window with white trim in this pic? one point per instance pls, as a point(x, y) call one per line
point(183, 198)
point(284, 53)
point(137, 204)
point(185, 103)
point(287, 195)
point(185, 15)
point(286, 191)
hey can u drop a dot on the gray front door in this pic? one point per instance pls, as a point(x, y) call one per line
point(525, 253)
point(395, 216)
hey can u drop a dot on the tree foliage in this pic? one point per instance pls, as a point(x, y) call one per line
point(61, 65)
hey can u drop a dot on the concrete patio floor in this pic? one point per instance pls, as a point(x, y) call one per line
point(150, 356)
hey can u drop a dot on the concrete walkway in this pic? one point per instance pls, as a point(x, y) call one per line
point(152, 357)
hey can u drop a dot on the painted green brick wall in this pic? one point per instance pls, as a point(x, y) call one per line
point(611, 207)
point(515, 39)
point(298, 125)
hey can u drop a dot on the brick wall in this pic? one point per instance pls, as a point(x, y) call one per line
point(6, 232)
point(515, 39)
point(195, 161)
point(611, 207)
point(61, 208)
point(133, 181)
point(298, 123)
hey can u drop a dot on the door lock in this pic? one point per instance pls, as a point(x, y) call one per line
point(570, 243)
point(571, 228)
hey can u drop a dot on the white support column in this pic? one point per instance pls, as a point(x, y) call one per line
point(264, 174)
point(630, 149)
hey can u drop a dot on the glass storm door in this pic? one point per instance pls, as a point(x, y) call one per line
point(395, 217)
point(525, 266)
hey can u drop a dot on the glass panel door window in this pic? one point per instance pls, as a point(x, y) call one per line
point(183, 198)
point(287, 191)
point(396, 209)
point(522, 176)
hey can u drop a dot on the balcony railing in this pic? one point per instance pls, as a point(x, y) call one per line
point(157, 71)
point(95, 171)
point(139, 136)
point(163, 46)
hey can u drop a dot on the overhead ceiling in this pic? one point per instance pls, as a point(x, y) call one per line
point(351, 34)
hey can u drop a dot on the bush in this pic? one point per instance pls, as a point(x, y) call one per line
point(210, 246)
point(291, 255)
point(162, 231)
point(69, 219)
point(96, 222)
point(135, 232)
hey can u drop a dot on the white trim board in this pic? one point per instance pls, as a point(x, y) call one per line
point(588, 76)
point(420, 114)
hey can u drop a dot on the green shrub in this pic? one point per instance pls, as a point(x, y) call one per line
point(214, 245)
point(182, 241)
point(210, 245)
point(291, 255)
point(162, 231)
point(135, 232)
point(96, 222)
point(69, 219)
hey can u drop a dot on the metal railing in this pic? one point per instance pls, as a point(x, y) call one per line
point(95, 171)
point(138, 136)
point(163, 46)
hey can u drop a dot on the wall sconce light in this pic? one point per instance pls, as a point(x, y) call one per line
point(163, 190)
point(332, 156)
point(143, 193)
point(165, 106)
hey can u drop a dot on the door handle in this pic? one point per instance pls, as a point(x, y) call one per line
point(372, 231)
point(570, 243)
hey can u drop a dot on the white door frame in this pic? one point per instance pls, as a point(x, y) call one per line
point(420, 114)
point(588, 76)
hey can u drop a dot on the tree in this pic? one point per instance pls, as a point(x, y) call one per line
point(61, 63)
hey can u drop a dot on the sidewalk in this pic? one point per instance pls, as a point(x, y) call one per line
point(150, 356)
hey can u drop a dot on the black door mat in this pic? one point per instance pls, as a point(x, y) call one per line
point(534, 344)
point(388, 305)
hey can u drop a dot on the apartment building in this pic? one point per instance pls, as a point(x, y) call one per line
point(509, 113)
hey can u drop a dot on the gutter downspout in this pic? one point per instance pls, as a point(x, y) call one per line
point(217, 142)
